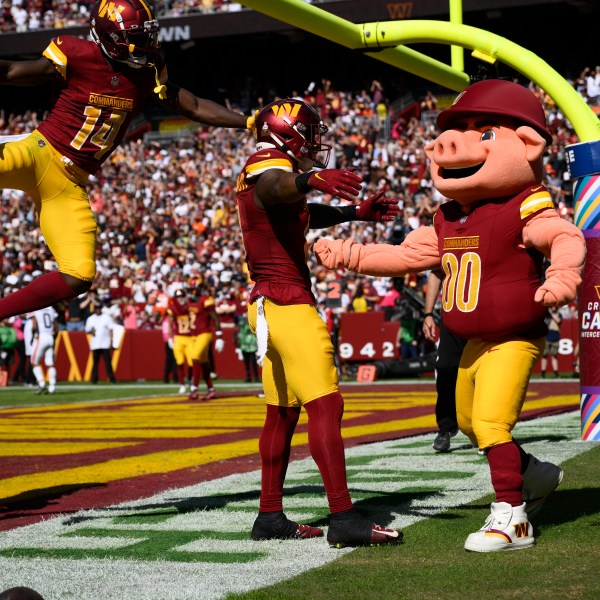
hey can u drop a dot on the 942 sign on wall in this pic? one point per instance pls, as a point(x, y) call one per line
point(367, 336)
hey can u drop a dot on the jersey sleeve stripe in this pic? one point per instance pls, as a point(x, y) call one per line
point(535, 203)
point(259, 168)
point(57, 57)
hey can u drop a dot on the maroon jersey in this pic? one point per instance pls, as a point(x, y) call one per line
point(180, 317)
point(274, 237)
point(95, 103)
point(490, 278)
point(201, 311)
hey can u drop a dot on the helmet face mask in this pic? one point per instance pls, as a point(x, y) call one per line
point(125, 30)
point(295, 128)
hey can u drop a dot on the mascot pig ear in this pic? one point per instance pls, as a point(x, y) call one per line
point(535, 144)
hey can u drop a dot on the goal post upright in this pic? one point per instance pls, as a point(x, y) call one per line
point(386, 41)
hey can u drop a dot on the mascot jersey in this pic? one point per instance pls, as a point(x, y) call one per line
point(274, 238)
point(96, 103)
point(490, 278)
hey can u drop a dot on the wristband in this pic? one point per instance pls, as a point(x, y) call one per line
point(218, 333)
point(429, 314)
point(349, 212)
point(302, 183)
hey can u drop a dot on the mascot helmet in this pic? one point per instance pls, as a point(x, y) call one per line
point(497, 97)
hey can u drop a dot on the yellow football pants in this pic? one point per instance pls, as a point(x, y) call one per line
point(198, 349)
point(299, 365)
point(491, 387)
point(58, 192)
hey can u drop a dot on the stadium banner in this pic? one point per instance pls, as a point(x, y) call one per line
point(140, 356)
point(584, 166)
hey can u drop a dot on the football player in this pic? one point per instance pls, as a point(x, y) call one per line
point(101, 86)
point(180, 334)
point(204, 321)
point(293, 340)
point(44, 331)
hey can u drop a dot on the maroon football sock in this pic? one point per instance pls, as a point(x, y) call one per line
point(206, 375)
point(505, 469)
point(274, 446)
point(195, 373)
point(43, 291)
point(327, 448)
point(181, 374)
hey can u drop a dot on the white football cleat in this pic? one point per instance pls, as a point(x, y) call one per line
point(507, 528)
point(182, 389)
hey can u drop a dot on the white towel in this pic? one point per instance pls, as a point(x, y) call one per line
point(262, 331)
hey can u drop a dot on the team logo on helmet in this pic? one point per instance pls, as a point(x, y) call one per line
point(295, 128)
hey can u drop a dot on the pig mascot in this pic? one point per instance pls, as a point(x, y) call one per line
point(490, 240)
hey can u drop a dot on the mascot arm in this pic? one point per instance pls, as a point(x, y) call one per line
point(562, 243)
point(419, 252)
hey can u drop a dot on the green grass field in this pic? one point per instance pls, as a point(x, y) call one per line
point(192, 543)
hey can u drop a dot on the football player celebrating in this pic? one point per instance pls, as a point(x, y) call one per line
point(204, 320)
point(102, 84)
point(180, 334)
point(293, 341)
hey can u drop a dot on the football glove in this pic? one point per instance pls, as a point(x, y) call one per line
point(251, 121)
point(219, 345)
point(337, 182)
point(377, 208)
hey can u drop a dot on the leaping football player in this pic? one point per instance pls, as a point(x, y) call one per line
point(101, 86)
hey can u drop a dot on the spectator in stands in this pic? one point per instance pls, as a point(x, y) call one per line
point(78, 311)
point(82, 130)
point(293, 340)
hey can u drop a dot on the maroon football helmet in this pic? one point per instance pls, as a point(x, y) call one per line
point(125, 30)
point(294, 127)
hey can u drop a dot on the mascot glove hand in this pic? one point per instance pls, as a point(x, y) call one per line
point(338, 182)
point(170, 343)
point(219, 345)
point(328, 252)
point(555, 293)
point(377, 208)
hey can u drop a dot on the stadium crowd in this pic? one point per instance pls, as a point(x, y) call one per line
point(167, 218)
point(32, 15)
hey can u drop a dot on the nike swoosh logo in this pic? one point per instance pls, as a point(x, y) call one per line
point(539, 187)
point(58, 41)
point(393, 534)
point(317, 176)
point(267, 155)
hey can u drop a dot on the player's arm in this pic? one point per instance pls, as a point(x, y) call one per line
point(374, 208)
point(277, 186)
point(26, 72)
point(205, 111)
point(434, 283)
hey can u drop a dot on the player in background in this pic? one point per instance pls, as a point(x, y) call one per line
point(44, 328)
point(299, 369)
point(180, 334)
point(204, 320)
point(101, 85)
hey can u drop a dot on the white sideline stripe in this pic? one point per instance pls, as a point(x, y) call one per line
point(110, 579)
